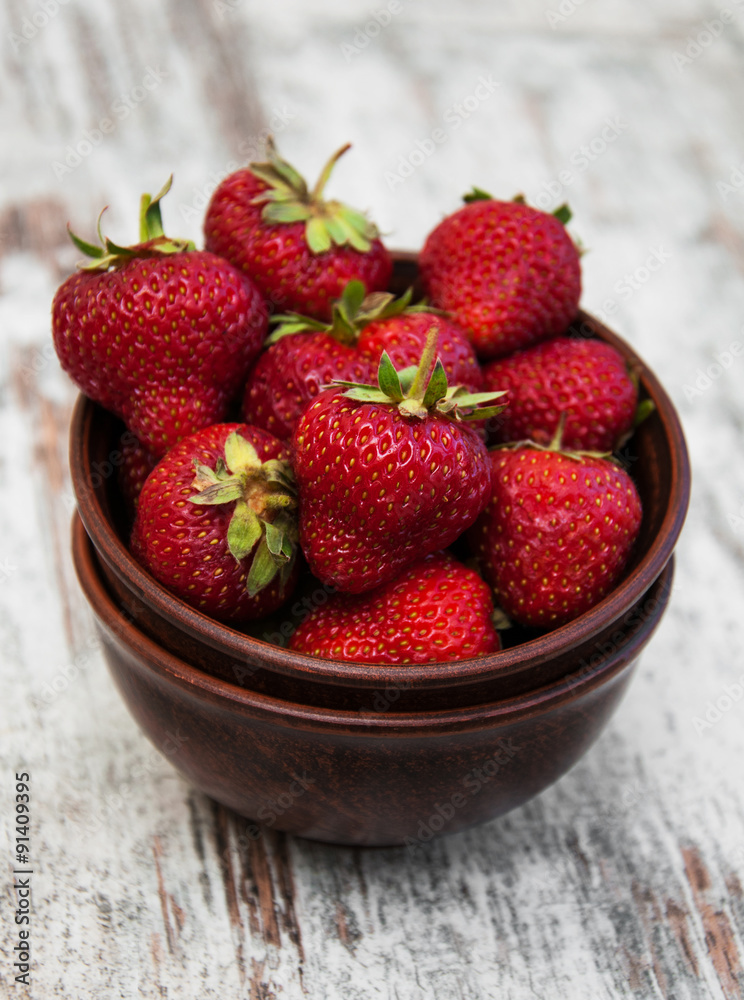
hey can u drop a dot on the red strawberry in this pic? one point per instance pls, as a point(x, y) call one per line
point(586, 380)
point(508, 273)
point(158, 333)
point(403, 337)
point(388, 475)
point(291, 372)
point(299, 249)
point(436, 610)
point(136, 465)
point(215, 522)
point(556, 534)
point(306, 355)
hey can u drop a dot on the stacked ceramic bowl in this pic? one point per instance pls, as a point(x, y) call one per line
point(359, 754)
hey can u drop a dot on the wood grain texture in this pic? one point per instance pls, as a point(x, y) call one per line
point(622, 880)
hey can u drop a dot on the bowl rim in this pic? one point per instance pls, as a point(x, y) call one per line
point(532, 653)
point(146, 655)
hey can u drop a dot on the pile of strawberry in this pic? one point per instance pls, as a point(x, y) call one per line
point(351, 443)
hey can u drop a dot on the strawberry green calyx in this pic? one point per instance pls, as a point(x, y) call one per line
point(478, 194)
point(153, 241)
point(500, 620)
point(351, 313)
point(644, 407)
point(643, 411)
point(556, 445)
point(263, 522)
point(288, 199)
point(563, 213)
point(418, 391)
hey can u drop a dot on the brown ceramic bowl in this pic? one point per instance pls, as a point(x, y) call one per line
point(658, 462)
point(369, 777)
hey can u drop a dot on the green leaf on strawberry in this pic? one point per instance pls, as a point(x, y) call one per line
point(152, 241)
point(263, 519)
point(388, 473)
point(350, 314)
point(227, 549)
point(419, 391)
point(288, 199)
point(159, 333)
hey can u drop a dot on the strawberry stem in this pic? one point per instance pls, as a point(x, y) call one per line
point(327, 171)
point(286, 199)
point(420, 382)
point(151, 221)
point(153, 241)
point(555, 444)
point(350, 314)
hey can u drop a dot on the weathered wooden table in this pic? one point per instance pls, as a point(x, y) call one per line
point(622, 880)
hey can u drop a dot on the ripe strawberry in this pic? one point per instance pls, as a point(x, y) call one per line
point(306, 354)
point(556, 534)
point(159, 333)
point(290, 373)
point(215, 522)
point(508, 273)
point(585, 380)
point(299, 249)
point(388, 475)
point(436, 610)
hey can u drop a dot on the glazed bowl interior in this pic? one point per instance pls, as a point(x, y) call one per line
point(657, 460)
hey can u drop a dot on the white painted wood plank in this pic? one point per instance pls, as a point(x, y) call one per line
point(624, 880)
